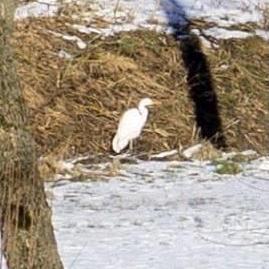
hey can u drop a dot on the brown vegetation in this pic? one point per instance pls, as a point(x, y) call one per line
point(75, 104)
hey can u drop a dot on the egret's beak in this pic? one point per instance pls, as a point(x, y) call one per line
point(157, 103)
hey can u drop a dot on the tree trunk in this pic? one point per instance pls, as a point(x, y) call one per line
point(28, 240)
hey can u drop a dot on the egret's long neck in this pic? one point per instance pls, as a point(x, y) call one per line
point(143, 110)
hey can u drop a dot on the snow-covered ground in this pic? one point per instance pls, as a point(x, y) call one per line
point(160, 15)
point(165, 215)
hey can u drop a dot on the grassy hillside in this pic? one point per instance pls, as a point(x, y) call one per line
point(75, 104)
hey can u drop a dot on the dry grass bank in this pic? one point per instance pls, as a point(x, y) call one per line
point(75, 104)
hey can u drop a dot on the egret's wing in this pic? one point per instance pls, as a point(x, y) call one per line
point(119, 144)
point(130, 125)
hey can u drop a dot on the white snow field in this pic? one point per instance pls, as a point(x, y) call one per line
point(159, 15)
point(165, 215)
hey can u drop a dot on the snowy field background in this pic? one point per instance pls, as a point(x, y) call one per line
point(161, 214)
point(159, 15)
point(165, 215)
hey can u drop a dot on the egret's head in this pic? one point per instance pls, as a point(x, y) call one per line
point(146, 102)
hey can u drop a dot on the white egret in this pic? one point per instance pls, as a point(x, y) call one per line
point(131, 125)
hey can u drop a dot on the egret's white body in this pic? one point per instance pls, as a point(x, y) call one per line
point(131, 125)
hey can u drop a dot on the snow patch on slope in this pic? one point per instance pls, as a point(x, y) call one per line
point(45, 8)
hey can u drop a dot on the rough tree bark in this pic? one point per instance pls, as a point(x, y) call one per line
point(28, 240)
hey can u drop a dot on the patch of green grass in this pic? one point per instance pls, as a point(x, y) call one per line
point(227, 167)
point(128, 46)
point(153, 44)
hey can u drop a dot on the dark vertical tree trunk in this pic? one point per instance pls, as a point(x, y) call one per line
point(28, 240)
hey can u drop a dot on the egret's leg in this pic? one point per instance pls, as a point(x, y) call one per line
point(131, 146)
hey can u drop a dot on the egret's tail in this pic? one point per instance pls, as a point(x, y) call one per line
point(118, 144)
point(115, 144)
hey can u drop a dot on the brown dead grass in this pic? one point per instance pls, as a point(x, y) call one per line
point(75, 104)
